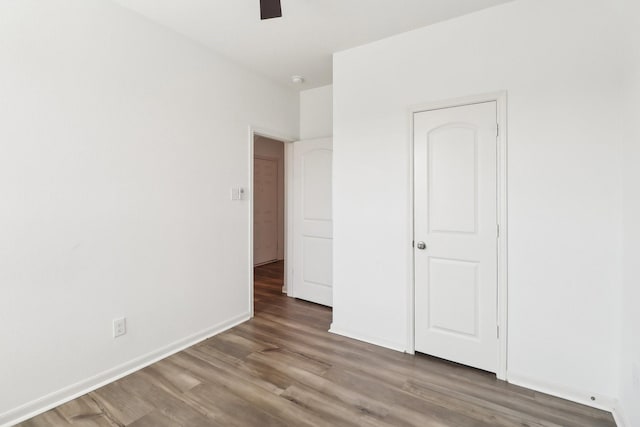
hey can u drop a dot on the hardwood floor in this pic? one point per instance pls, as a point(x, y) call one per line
point(283, 368)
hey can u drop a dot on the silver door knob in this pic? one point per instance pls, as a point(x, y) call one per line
point(421, 245)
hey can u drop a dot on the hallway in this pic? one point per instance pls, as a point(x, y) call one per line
point(284, 368)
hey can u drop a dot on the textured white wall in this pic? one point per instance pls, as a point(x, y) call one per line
point(316, 113)
point(119, 143)
point(561, 63)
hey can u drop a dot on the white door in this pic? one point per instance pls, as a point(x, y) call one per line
point(312, 221)
point(265, 211)
point(455, 240)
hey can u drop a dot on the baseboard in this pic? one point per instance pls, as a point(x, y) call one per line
point(81, 388)
point(368, 339)
point(620, 417)
point(606, 403)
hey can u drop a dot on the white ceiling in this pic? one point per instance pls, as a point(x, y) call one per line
point(302, 41)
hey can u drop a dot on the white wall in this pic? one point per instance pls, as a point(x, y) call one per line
point(561, 63)
point(630, 355)
point(270, 148)
point(119, 143)
point(629, 405)
point(316, 113)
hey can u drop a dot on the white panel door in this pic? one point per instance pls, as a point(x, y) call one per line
point(455, 241)
point(312, 221)
point(265, 211)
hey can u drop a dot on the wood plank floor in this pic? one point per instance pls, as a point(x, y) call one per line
point(282, 368)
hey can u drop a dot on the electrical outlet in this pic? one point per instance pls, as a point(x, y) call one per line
point(119, 327)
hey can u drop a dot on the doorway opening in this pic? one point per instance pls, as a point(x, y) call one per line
point(268, 201)
point(269, 215)
point(291, 225)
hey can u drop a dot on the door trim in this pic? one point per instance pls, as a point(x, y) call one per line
point(288, 181)
point(502, 289)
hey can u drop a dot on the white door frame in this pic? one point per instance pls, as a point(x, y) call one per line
point(288, 206)
point(502, 304)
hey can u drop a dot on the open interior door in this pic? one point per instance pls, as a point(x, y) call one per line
point(312, 221)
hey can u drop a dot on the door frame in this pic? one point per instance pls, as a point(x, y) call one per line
point(502, 256)
point(288, 205)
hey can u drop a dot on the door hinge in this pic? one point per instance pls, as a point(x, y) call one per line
point(497, 130)
point(497, 331)
point(498, 231)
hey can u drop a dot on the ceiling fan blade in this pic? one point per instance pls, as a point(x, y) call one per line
point(270, 9)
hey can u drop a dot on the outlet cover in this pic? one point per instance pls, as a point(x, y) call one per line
point(119, 327)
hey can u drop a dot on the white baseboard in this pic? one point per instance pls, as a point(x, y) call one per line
point(606, 403)
point(620, 417)
point(81, 388)
point(368, 339)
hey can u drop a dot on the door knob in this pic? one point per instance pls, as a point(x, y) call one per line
point(421, 245)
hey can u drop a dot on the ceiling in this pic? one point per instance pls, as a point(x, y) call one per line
point(303, 40)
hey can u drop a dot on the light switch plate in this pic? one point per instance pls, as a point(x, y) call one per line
point(237, 193)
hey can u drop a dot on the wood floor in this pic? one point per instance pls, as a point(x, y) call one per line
point(283, 368)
